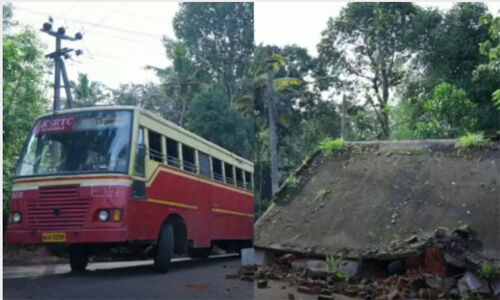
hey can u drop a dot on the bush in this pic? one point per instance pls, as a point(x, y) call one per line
point(333, 263)
point(472, 140)
point(292, 182)
point(330, 146)
point(489, 272)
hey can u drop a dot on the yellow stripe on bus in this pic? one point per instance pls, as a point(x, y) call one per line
point(231, 212)
point(170, 203)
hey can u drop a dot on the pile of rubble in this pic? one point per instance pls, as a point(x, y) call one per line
point(439, 266)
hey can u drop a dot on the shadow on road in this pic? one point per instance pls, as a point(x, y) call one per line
point(147, 269)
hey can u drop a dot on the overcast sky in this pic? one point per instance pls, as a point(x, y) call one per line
point(120, 38)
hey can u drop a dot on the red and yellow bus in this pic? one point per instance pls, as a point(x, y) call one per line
point(107, 176)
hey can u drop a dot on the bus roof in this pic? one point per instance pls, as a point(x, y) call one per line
point(157, 118)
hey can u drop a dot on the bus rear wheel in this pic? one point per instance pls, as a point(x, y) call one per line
point(164, 248)
point(78, 257)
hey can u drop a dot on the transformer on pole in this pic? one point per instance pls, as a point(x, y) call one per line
point(59, 66)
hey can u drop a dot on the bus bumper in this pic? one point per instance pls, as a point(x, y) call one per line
point(71, 236)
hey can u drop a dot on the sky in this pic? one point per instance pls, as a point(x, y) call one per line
point(121, 38)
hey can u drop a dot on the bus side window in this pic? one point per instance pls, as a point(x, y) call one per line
point(139, 165)
point(217, 169)
point(248, 180)
point(172, 153)
point(155, 151)
point(188, 160)
point(239, 178)
point(204, 161)
point(229, 173)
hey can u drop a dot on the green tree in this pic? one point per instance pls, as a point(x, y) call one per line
point(211, 118)
point(447, 113)
point(220, 38)
point(181, 80)
point(363, 51)
point(148, 96)
point(23, 92)
point(87, 93)
point(450, 53)
point(491, 49)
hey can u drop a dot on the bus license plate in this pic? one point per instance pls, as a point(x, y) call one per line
point(54, 237)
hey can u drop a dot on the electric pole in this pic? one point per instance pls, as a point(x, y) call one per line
point(59, 66)
point(273, 131)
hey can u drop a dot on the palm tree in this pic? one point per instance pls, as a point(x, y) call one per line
point(86, 92)
point(181, 80)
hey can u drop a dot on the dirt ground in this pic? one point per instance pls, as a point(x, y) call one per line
point(21, 255)
point(370, 195)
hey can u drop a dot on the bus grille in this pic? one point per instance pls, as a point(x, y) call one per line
point(58, 207)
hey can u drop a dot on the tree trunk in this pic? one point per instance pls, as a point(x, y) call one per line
point(273, 135)
point(386, 134)
point(183, 111)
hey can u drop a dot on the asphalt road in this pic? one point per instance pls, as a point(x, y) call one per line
point(187, 279)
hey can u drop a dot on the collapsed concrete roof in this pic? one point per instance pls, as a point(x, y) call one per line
point(371, 194)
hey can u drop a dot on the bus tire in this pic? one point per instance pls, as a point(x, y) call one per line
point(164, 248)
point(200, 253)
point(78, 257)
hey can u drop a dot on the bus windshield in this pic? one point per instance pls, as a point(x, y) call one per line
point(86, 142)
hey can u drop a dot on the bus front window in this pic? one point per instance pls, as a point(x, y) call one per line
point(79, 143)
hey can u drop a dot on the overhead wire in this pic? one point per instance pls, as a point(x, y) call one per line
point(64, 13)
point(100, 58)
point(113, 28)
point(104, 19)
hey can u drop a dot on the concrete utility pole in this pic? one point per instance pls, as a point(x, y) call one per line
point(273, 132)
point(59, 66)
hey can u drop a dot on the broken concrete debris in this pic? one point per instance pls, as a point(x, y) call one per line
point(439, 266)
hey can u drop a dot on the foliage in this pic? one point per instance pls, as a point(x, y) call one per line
point(331, 146)
point(211, 118)
point(472, 140)
point(181, 80)
point(489, 271)
point(87, 93)
point(363, 52)
point(333, 263)
point(23, 94)
point(148, 96)
point(220, 38)
point(7, 15)
point(450, 53)
point(321, 193)
point(491, 49)
point(446, 113)
point(292, 182)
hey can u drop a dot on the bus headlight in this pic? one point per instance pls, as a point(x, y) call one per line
point(103, 215)
point(16, 217)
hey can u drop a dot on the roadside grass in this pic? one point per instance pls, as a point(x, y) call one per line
point(471, 140)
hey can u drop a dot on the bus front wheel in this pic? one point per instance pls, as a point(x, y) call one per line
point(164, 248)
point(78, 257)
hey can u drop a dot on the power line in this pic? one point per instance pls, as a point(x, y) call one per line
point(86, 11)
point(104, 19)
point(142, 34)
point(143, 43)
point(63, 15)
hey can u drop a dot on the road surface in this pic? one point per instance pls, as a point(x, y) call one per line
point(187, 279)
